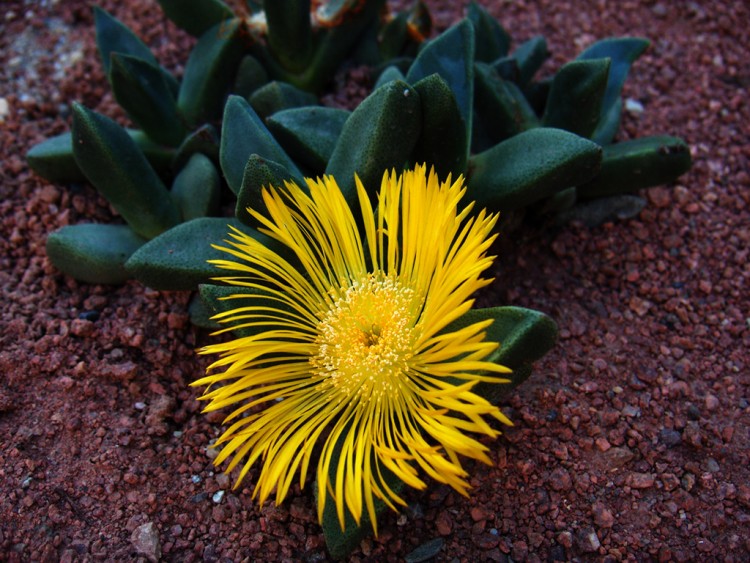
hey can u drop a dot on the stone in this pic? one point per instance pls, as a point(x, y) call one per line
point(145, 540)
point(587, 540)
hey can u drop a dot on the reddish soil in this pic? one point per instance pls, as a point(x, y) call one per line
point(631, 438)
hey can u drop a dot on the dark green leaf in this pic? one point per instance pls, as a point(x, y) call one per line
point(177, 260)
point(113, 163)
point(197, 188)
point(93, 253)
point(530, 56)
point(529, 167)
point(391, 72)
point(451, 55)
point(250, 76)
point(196, 16)
point(289, 33)
point(639, 163)
point(378, 136)
point(260, 173)
point(492, 41)
point(622, 51)
point(112, 36)
point(442, 142)
point(524, 336)
point(575, 98)
point(276, 96)
point(243, 133)
point(309, 134)
point(140, 88)
point(501, 108)
point(210, 72)
point(204, 140)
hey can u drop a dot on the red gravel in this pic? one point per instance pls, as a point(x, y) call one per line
point(631, 439)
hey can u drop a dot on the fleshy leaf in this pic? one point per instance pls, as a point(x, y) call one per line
point(501, 108)
point(442, 140)
point(340, 543)
point(210, 71)
point(53, 158)
point(112, 36)
point(390, 73)
point(200, 313)
point(204, 140)
point(177, 260)
point(276, 96)
point(529, 167)
point(218, 299)
point(524, 336)
point(112, 162)
point(197, 188)
point(609, 124)
point(93, 253)
point(451, 55)
point(492, 41)
point(639, 163)
point(140, 88)
point(243, 133)
point(575, 98)
point(250, 76)
point(379, 135)
point(622, 51)
point(530, 56)
point(309, 134)
point(260, 173)
point(289, 33)
point(196, 16)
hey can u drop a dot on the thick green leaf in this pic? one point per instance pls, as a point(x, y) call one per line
point(289, 33)
point(309, 134)
point(340, 542)
point(442, 141)
point(197, 188)
point(378, 136)
point(530, 56)
point(639, 163)
point(524, 336)
point(177, 260)
point(196, 16)
point(260, 173)
point(200, 313)
point(112, 162)
point(622, 51)
point(250, 76)
point(492, 41)
point(219, 299)
point(276, 96)
point(393, 36)
point(609, 124)
point(390, 73)
point(243, 133)
point(53, 158)
point(451, 55)
point(575, 98)
point(140, 88)
point(210, 72)
point(501, 108)
point(203, 140)
point(529, 167)
point(333, 46)
point(112, 36)
point(93, 253)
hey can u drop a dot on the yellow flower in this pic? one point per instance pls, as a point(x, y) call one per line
point(347, 348)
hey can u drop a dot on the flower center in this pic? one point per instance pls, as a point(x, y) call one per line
point(366, 338)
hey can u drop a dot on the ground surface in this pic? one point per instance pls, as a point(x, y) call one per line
point(631, 438)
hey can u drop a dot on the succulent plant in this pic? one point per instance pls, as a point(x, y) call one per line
point(242, 118)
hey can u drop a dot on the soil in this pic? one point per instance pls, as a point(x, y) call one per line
point(630, 439)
